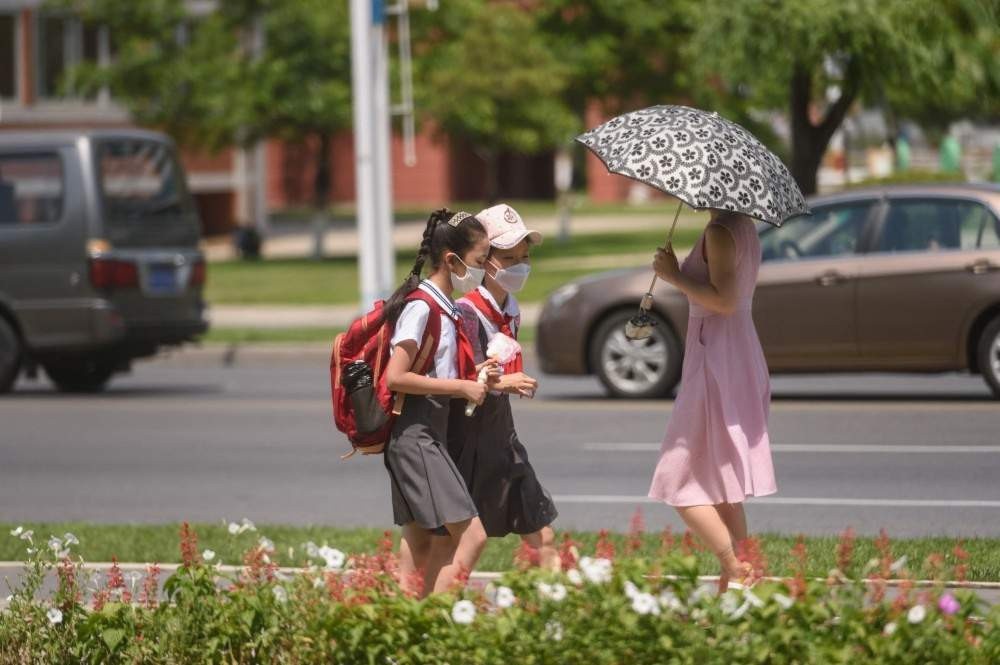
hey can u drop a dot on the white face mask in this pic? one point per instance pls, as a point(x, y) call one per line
point(473, 278)
point(512, 279)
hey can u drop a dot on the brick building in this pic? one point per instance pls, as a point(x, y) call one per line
point(38, 46)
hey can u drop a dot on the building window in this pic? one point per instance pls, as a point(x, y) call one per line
point(8, 56)
point(61, 43)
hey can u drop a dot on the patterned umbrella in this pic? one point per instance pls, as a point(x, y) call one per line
point(703, 160)
point(700, 158)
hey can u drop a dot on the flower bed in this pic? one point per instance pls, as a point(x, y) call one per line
point(607, 607)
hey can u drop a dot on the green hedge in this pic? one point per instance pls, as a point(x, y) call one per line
point(606, 609)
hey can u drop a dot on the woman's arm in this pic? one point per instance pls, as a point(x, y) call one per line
point(399, 378)
point(720, 293)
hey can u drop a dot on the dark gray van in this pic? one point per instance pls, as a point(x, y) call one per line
point(99, 258)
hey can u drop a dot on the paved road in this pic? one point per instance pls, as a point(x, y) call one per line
point(191, 437)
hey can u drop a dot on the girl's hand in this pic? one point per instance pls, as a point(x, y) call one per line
point(492, 368)
point(521, 384)
point(473, 391)
point(665, 264)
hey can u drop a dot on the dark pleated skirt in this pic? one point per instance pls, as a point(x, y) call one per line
point(495, 466)
point(427, 488)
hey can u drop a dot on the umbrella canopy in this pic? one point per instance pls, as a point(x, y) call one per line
point(700, 158)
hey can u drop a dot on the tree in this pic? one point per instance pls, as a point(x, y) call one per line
point(201, 80)
point(486, 74)
point(823, 55)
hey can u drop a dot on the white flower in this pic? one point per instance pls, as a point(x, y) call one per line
point(554, 630)
point(55, 544)
point(280, 594)
point(9, 598)
point(703, 591)
point(246, 525)
point(312, 549)
point(70, 539)
point(54, 615)
point(898, 564)
point(783, 600)
point(556, 592)
point(17, 532)
point(597, 571)
point(265, 544)
point(318, 583)
point(740, 611)
point(234, 529)
point(670, 601)
point(645, 603)
point(26, 535)
point(208, 555)
point(916, 614)
point(334, 558)
point(890, 628)
point(729, 603)
point(464, 612)
point(630, 589)
point(574, 577)
point(752, 598)
point(504, 597)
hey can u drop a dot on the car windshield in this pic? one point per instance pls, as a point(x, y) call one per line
point(145, 198)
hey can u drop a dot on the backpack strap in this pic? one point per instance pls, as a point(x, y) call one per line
point(428, 345)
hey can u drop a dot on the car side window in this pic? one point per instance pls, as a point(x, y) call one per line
point(833, 230)
point(979, 228)
point(31, 188)
point(931, 225)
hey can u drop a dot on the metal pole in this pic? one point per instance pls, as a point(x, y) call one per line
point(361, 85)
point(382, 155)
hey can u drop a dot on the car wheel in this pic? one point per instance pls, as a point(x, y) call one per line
point(81, 376)
point(989, 355)
point(638, 369)
point(10, 356)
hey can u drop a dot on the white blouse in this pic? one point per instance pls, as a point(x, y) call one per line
point(413, 321)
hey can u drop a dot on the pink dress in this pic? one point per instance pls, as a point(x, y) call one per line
point(716, 449)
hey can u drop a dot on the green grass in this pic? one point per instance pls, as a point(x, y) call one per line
point(335, 281)
point(293, 335)
point(159, 543)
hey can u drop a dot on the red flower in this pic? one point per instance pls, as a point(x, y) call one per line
point(667, 540)
point(150, 587)
point(961, 557)
point(605, 549)
point(637, 527)
point(115, 578)
point(800, 555)
point(568, 552)
point(189, 547)
point(845, 550)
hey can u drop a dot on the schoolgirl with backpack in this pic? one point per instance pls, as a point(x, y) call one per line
point(394, 374)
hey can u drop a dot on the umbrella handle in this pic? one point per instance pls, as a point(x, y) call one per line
point(647, 300)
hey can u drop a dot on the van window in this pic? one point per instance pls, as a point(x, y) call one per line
point(144, 196)
point(31, 188)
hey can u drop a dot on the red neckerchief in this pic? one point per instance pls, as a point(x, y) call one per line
point(465, 356)
point(502, 321)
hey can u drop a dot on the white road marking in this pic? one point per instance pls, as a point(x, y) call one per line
point(791, 501)
point(814, 448)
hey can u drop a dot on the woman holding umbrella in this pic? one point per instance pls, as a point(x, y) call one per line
point(716, 451)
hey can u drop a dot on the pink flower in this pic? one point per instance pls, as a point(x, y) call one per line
point(948, 604)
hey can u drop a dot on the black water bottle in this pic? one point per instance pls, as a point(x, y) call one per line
point(359, 383)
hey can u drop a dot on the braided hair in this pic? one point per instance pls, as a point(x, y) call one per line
point(439, 239)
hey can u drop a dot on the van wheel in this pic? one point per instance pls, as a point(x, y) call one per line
point(989, 355)
point(81, 376)
point(10, 356)
point(639, 369)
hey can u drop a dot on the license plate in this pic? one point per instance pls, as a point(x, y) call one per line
point(161, 279)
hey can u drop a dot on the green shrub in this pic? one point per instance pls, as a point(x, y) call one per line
point(606, 609)
point(911, 178)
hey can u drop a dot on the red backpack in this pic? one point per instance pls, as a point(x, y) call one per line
point(368, 341)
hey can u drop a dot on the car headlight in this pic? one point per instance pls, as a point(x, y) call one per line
point(563, 294)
